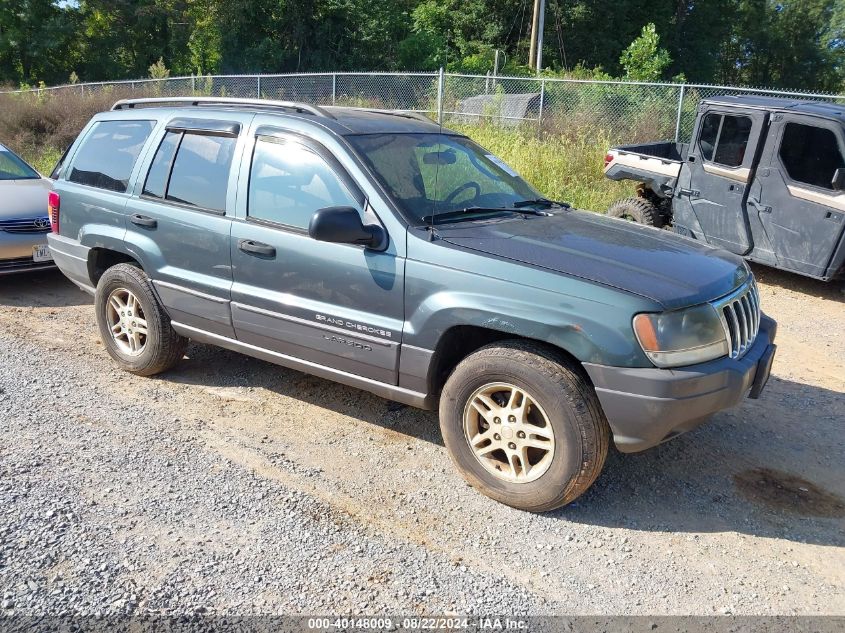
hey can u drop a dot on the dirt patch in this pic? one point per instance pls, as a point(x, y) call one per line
point(782, 491)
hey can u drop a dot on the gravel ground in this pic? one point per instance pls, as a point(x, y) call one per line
point(233, 486)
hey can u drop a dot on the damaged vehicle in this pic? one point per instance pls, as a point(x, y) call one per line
point(763, 178)
point(384, 252)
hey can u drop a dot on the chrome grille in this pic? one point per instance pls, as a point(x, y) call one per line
point(740, 314)
point(26, 225)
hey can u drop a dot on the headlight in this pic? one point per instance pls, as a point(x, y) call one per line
point(684, 337)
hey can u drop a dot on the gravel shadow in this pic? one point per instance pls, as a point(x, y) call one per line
point(209, 366)
point(830, 290)
point(40, 289)
point(750, 470)
point(771, 468)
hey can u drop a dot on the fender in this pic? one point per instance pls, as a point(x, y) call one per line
point(589, 321)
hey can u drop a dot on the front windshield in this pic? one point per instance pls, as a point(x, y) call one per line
point(13, 168)
point(430, 175)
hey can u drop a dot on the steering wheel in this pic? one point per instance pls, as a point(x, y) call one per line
point(467, 185)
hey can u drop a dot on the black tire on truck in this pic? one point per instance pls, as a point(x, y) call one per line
point(134, 327)
point(523, 425)
point(637, 210)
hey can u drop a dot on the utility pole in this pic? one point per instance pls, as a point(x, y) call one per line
point(540, 28)
point(535, 52)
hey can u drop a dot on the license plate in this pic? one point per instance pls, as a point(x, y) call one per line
point(41, 253)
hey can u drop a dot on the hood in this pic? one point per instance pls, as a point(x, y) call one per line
point(671, 270)
point(23, 198)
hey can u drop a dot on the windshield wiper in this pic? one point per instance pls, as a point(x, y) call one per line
point(457, 213)
point(540, 202)
point(431, 219)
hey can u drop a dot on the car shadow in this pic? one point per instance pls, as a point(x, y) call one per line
point(771, 468)
point(209, 366)
point(40, 289)
point(830, 290)
point(750, 470)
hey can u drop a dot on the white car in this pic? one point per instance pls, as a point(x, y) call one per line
point(24, 222)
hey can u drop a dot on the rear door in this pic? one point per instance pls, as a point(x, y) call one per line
point(711, 192)
point(180, 218)
point(801, 214)
point(336, 305)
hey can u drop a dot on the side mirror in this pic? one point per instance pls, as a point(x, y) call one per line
point(837, 183)
point(343, 225)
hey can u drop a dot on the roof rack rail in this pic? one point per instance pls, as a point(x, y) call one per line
point(129, 104)
point(408, 114)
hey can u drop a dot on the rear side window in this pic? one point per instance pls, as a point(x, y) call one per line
point(108, 154)
point(724, 138)
point(192, 169)
point(810, 154)
point(289, 182)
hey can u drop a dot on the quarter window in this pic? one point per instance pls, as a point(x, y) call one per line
point(289, 182)
point(192, 169)
point(724, 138)
point(810, 154)
point(108, 154)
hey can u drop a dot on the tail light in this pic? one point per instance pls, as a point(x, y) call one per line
point(608, 158)
point(53, 204)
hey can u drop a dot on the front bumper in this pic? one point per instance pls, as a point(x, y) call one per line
point(646, 406)
point(16, 252)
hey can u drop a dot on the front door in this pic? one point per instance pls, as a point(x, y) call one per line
point(711, 191)
point(802, 215)
point(336, 305)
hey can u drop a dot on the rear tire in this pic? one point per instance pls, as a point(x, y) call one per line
point(134, 327)
point(523, 426)
point(637, 210)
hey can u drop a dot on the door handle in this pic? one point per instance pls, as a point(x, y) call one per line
point(690, 193)
point(256, 248)
point(759, 206)
point(143, 220)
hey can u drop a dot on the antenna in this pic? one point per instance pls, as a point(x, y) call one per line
point(441, 92)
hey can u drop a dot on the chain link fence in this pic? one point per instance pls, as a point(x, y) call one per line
point(626, 111)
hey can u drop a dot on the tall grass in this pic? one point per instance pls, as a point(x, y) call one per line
point(40, 127)
point(564, 166)
point(565, 163)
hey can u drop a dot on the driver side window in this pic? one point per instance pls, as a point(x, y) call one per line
point(288, 182)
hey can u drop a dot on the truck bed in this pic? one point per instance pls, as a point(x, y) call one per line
point(657, 165)
point(667, 150)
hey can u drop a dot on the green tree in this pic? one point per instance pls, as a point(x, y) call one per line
point(158, 70)
point(37, 41)
point(789, 43)
point(778, 43)
point(644, 60)
point(205, 40)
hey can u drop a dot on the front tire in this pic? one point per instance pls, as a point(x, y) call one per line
point(523, 426)
point(637, 210)
point(134, 328)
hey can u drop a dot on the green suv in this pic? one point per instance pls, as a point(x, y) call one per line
point(381, 251)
